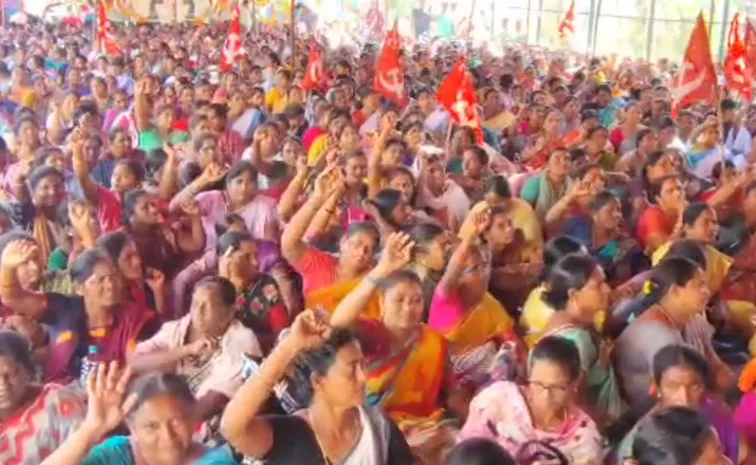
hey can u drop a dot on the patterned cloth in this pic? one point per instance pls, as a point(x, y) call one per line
point(32, 434)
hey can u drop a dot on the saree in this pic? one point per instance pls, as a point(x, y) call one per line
point(328, 298)
point(407, 384)
point(701, 161)
point(717, 265)
point(30, 435)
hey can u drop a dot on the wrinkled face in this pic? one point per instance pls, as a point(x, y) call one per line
point(242, 189)
point(130, 263)
point(705, 228)
point(344, 382)
point(163, 427)
point(210, 314)
point(14, 380)
point(681, 386)
point(49, 192)
point(550, 388)
point(402, 306)
point(104, 286)
point(358, 249)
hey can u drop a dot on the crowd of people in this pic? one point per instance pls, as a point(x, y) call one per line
point(214, 267)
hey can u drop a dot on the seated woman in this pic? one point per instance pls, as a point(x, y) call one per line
point(446, 202)
point(535, 311)
point(390, 211)
point(678, 435)
point(475, 173)
point(34, 419)
point(408, 370)
point(97, 323)
point(602, 233)
point(144, 286)
point(543, 414)
point(660, 223)
point(587, 183)
point(682, 378)
point(327, 279)
point(472, 320)
point(545, 189)
point(206, 347)
point(678, 292)
point(576, 289)
point(160, 413)
point(433, 245)
point(259, 306)
point(166, 248)
point(334, 426)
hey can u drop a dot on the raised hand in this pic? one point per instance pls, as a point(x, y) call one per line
point(155, 279)
point(214, 172)
point(19, 252)
point(202, 347)
point(477, 222)
point(309, 330)
point(80, 215)
point(328, 181)
point(190, 208)
point(106, 388)
point(397, 252)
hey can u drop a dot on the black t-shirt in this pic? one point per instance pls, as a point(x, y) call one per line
point(294, 443)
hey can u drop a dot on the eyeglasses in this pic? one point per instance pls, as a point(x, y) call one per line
point(552, 389)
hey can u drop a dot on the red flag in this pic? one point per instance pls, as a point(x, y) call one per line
point(457, 94)
point(697, 79)
point(106, 43)
point(389, 79)
point(736, 69)
point(750, 44)
point(232, 47)
point(567, 26)
point(314, 77)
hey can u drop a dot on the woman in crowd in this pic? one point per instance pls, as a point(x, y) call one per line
point(545, 189)
point(259, 305)
point(624, 138)
point(678, 292)
point(334, 426)
point(207, 347)
point(661, 222)
point(577, 290)
point(542, 415)
point(543, 144)
point(433, 245)
point(34, 419)
point(682, 378)
point(160, 413)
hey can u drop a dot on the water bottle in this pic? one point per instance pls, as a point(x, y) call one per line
point(88, 362)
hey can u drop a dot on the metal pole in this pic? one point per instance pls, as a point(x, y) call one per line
point(493, 19)
point(723, 35)
point(595, 26)
point(650, 30)
point(712, 6)
point(538, 22)
point(591, 15)
point(527, 23)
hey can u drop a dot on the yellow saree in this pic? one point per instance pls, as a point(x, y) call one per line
point(489, 320)
point(327, 298)
point(717, 264)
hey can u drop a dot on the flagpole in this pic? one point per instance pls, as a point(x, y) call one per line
point(292, 39)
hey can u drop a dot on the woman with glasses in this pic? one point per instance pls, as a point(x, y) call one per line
point(541, 417)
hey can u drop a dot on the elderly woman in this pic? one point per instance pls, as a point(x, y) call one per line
point(335, 426)
point(206, 347)
point(541, 416)
point(160, 413)
point(33, 418)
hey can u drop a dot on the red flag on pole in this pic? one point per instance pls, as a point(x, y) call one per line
point(232, 47)
point(567, 26)
point(106, 43)
point(697, 78)
point(737, 70)
point(457, 94)
point(314, 76)
point(389, 79)
point(750, 44)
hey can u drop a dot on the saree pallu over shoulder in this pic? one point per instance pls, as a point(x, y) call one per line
point(487, 321)
point(407, 384)
point(328, 298)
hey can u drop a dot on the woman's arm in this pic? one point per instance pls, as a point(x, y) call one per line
point(323, 217)
point(81, 169)
point(142, 112)
point(211, 175)
point(396, 254)
point(165, 360)
point(558, 210)
point(287, 205)
point(194, 241)
point(247, 432)
point(15, 297)
point(291, 241)
point(169, 181)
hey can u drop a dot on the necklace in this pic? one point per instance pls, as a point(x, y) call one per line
point(321, 445)
point(670, 319)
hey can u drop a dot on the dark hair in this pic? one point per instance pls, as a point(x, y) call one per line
point(239, 168)
point(602, 199)
point(499, 185)
point(673, 270)
point(557, 350)
point(643, 133)
point(317, 361)
point(199, 141)
point(232, 240)
point(113, 243)
point(478, 451)
point(136, 168)
point(689, 249)
point(559, 247)
point(226, 290)
point(718, 169)
point(363, 227)
point(154, 160)
point(654, 189)
point(16, 347)
point(156, 384)
point(401, 276)
point(676, 355)
point(223, 224)
point(130, 201)
point(24, 119)
point(693, 212)
point(651, 160)
point(571, 272)
point(385, 202)
point(672, 435)
point(83, 267)
point(43, 153)
point(41, 172)
point(480, 153)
